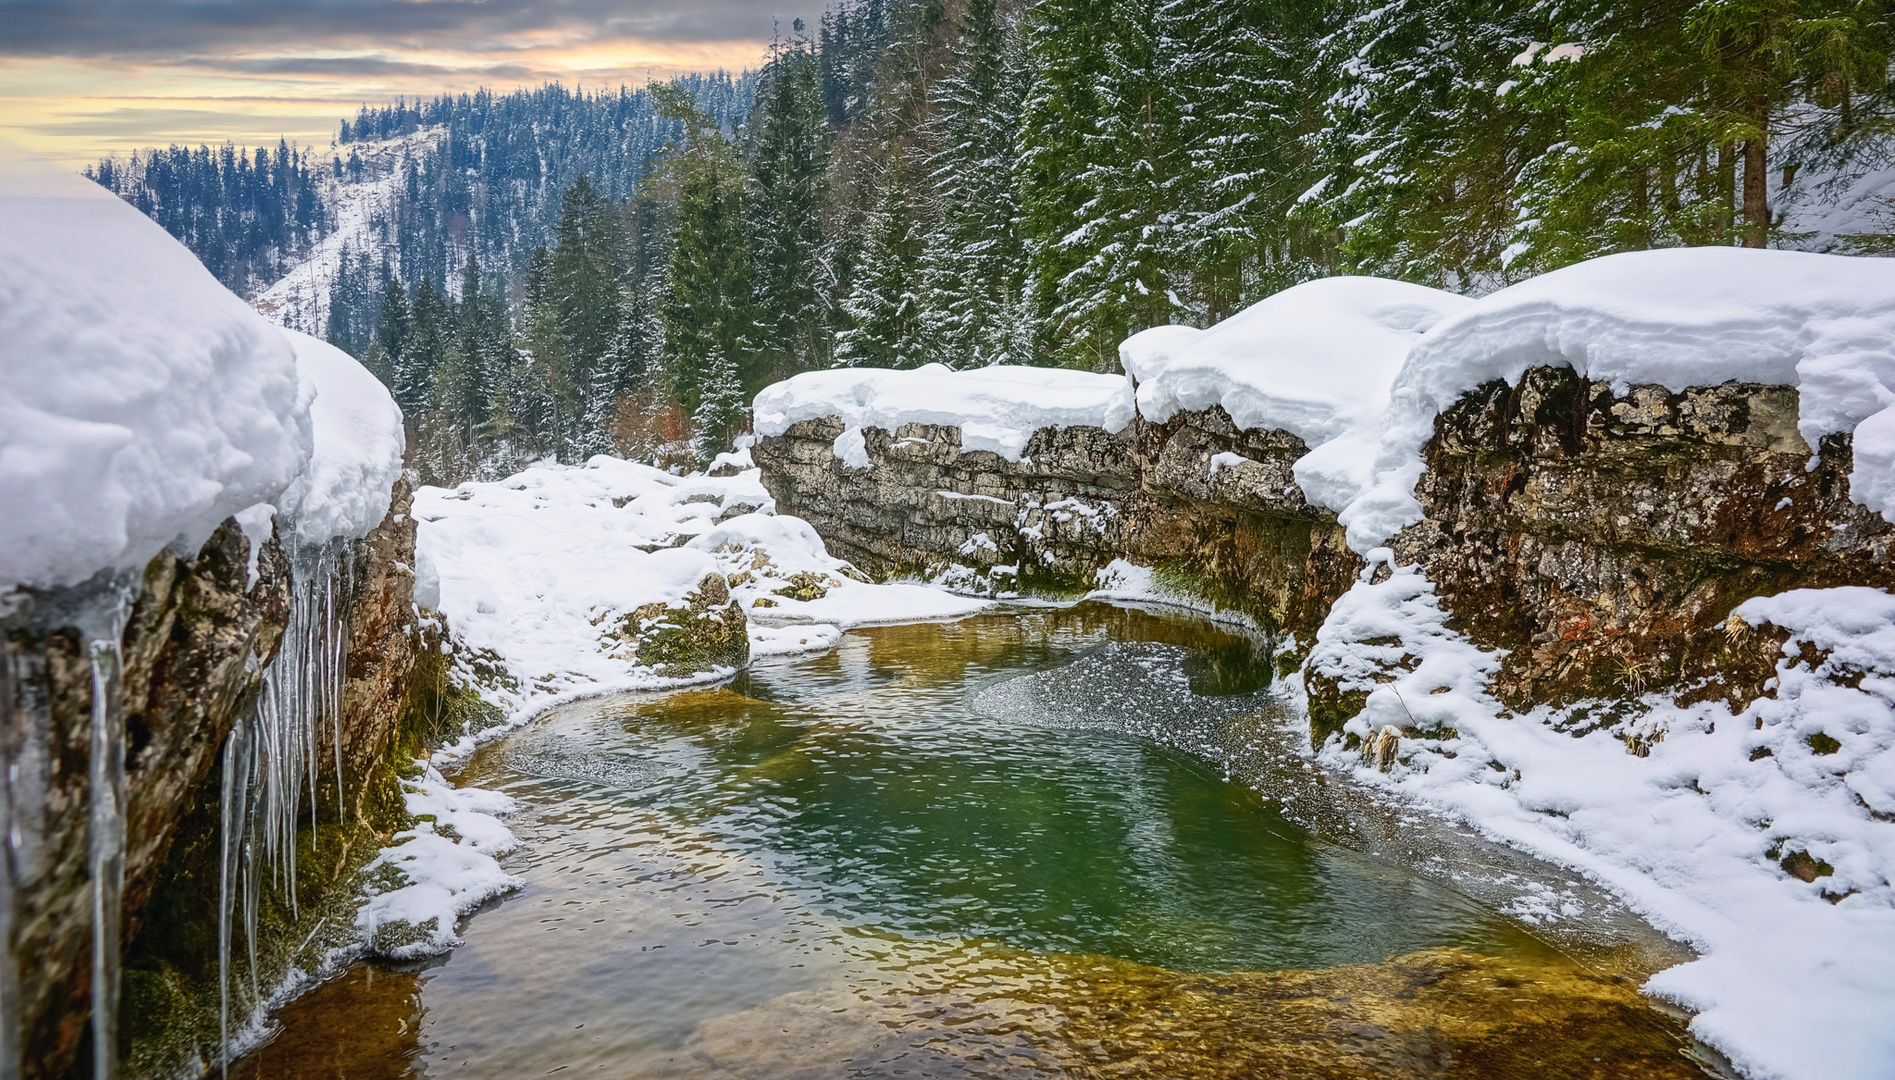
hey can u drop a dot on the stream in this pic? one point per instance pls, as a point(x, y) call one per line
point(1042, 842)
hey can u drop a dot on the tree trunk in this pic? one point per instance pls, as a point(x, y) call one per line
point(1757, 179)
point(1756, 196)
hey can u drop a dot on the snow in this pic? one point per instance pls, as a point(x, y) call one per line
point(997, 408)
point(358, 443)
point(446, 867)
point(531, 571)
point(1795, 979)
point(359, 215)
point(141, 402)
point(1316, 360)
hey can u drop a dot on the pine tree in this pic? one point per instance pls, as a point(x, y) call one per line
point(1103, 200)
point(721, 404)
point(393, 327)
point(708, 306)
point(787, 160)
point(1248, 87)
point(586, 278)
point(1421, 144)
point(884, 304)
point(973, 260)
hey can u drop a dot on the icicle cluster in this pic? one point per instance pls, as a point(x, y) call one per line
point(272, 761)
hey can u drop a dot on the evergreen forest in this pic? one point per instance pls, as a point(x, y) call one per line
point(975, 182)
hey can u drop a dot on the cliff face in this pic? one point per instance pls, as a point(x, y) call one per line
point(1049, 520)
point(197, 636)
point(1602, 539)
point(1238, 531)
point(1598, 539)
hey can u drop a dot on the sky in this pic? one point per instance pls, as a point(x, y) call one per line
point(80, 79)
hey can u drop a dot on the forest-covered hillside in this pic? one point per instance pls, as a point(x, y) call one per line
point(994, 181)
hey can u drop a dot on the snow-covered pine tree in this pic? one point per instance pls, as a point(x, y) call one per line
point(1103, 200)
point(1245, 76)
point(720, 409)
point(884, 303)
point(973, 260)
point(1421, 143)
point(788, 156)
point(1668, 110)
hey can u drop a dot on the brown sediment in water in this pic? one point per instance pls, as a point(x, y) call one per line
point(981, 1010)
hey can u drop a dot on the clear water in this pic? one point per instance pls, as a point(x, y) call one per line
point(1001, 847)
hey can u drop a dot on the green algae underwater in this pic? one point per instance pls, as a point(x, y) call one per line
point(1043, 842)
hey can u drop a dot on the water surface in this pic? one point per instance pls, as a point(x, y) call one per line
point(1054, 843)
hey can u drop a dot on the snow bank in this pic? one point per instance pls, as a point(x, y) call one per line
point(444, 867)
point(141, 402)
point(1710, 834)
point(1316, 360)
point(530, 571)
point(358, 443)
point(996, 408)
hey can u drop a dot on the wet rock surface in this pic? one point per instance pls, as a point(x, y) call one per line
point(193, 641)
point(1239, 531)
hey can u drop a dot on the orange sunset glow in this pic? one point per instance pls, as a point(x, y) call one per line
point(82, 80)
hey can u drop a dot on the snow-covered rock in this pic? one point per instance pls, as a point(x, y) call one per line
point(141, 402)
point(1677, 318)
point(1316, 360)
point(996, 408)
point(358, 443)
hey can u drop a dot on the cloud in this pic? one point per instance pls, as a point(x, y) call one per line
point(137, 123)
point(158, 30)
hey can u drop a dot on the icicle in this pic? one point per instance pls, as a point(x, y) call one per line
point(273, 759)
point(236, 783)
point(10, 1053)
point(107, 855)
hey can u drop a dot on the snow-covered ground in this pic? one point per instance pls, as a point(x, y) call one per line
point(532, 571)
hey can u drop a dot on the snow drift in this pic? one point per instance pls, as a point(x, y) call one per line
point(141, 402)
point(357, 447)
